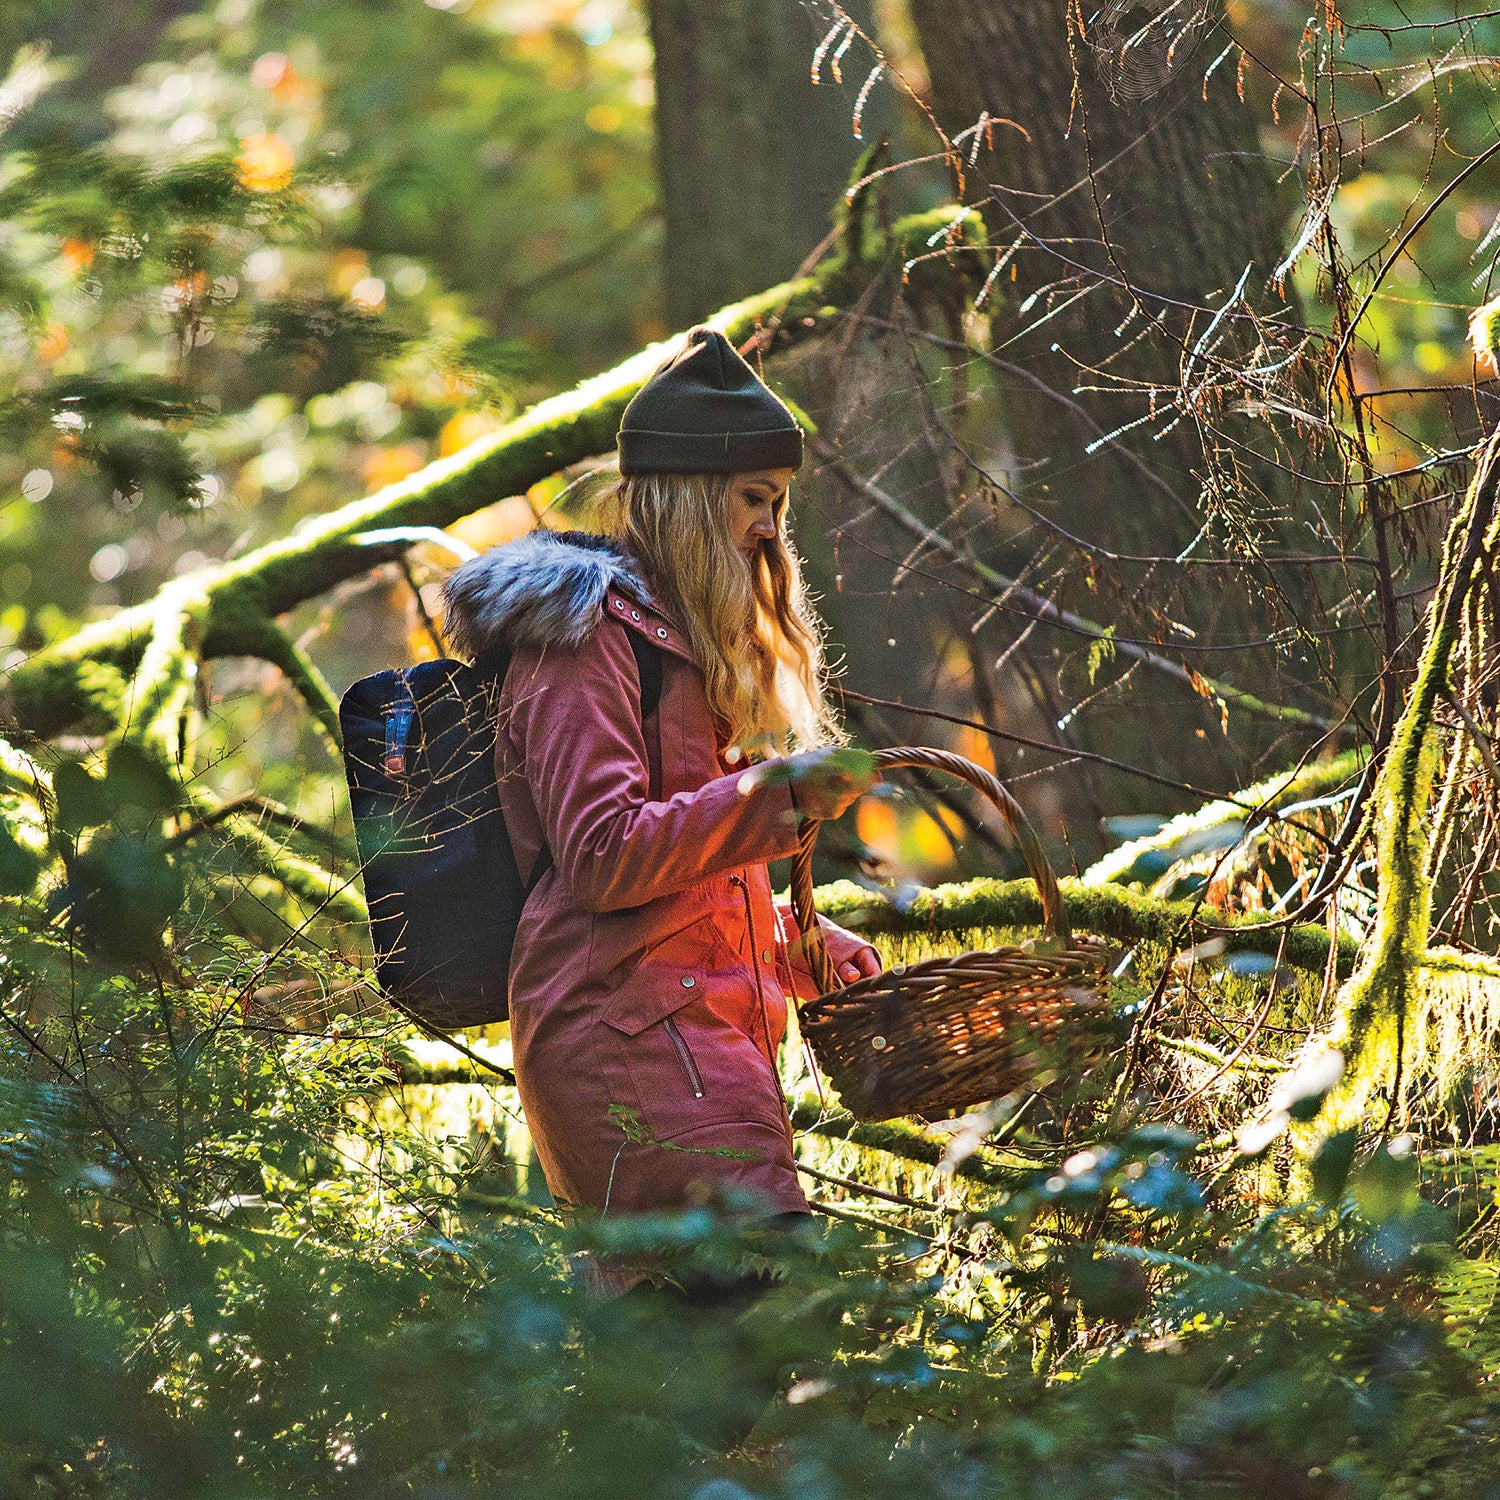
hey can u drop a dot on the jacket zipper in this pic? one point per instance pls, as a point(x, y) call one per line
point(760, 994)
point(695, 1078)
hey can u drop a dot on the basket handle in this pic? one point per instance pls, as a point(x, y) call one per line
point(1054, 916)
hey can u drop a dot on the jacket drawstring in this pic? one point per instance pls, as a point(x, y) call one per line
point(789, 983)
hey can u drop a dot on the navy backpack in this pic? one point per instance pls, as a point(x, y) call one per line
point(440, 875)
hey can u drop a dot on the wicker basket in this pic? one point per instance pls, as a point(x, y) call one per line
point(934, 1038)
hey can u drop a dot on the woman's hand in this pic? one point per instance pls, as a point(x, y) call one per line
point(825, 783)
point(863, 965)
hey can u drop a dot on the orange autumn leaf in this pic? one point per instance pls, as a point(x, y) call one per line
point(77, 255)
point(391, 465)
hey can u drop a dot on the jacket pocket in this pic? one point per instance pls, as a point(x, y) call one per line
point(686, 967)
point(653, 993)
point(677, 1025)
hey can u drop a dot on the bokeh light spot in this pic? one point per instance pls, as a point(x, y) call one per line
point(263, 264)
point(265, 163)
point(464, 429)
point(77, 255)
point(391, 465)
point(279, 469)
point(206, 492)
point(108, 563)
point(269, 69)
point(368, 293)
point(53, 344)
point(37, 485)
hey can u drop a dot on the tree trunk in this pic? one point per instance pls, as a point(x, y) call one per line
point(752, 155)
point(1124, 215)
point(1167, 203)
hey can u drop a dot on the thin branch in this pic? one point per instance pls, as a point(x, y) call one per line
point(1050, 612)
point(299, 669)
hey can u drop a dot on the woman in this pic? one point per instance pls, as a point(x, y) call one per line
point(650, 975)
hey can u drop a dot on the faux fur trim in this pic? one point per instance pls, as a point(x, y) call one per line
point(545, 588)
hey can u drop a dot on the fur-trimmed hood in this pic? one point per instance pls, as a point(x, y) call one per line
point(545, 588)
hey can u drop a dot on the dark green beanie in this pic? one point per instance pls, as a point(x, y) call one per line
point(705, 411)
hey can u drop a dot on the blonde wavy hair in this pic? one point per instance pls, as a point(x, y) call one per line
point(753, 630)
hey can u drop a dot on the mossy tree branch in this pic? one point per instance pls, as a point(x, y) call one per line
point(325, 892)
point(53, 691)
point(1176, 836)
point(160, 695)
point(1390, 1015)
point(299, 669)
point(1112, 911)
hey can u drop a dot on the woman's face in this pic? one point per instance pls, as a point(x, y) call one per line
point(755, 501)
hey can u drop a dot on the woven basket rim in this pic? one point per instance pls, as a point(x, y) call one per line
point(1092, 950)
point(1054, 910)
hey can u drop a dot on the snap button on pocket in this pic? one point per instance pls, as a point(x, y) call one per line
point(688, 981)
point(661, 631)
point(765, 955)
point(635, 614)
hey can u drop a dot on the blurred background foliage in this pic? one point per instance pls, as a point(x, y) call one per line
point(258, 259)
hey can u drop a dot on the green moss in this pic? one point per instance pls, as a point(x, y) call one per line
point(1395, 1018)
point(1110, 911)
point(302, 672)
point(910, 1142)
point(323, 891)
point(1278, 791)
point(161, 692)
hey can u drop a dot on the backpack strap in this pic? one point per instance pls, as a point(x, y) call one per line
point(398, 719)
point(649, 667)
point(648, 664)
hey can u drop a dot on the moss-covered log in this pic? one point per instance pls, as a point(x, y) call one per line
point(58, 688)
point(909, 1142)
point(1110, 910)
point(1145, 858)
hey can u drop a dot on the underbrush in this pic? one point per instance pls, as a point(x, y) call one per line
point(247, 1250)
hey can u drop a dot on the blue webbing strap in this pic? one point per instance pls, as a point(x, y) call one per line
point(397, 726)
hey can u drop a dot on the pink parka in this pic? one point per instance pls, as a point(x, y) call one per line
point(651, 971)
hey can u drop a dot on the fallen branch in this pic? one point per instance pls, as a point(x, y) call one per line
point(1112, 911)
point(1177, 836)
